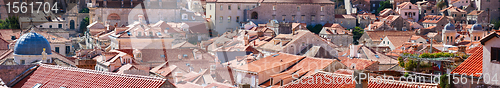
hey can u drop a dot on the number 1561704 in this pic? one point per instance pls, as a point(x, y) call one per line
point(23, 7)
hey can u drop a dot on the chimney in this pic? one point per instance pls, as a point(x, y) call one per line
point(461, 48)
point(361, 83)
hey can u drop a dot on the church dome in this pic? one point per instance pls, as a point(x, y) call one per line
point(476, 27)
point(32, 44)
point(449, 26)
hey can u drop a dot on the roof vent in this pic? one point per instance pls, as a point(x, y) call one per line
point(376, 56)
point(276, 55)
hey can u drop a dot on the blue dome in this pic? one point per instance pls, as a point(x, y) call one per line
point(32, 44)
point(449, 26)
point(476, 27)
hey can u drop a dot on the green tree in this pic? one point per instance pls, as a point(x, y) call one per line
point(84, 10)
point(383, 5)
point(4, 25)
point(444, 82)
point(401, 61)
point(315, 29)
point(83, 25)
point(442, 4)
point(496, 24)
point(13, 22)
point(357, 32)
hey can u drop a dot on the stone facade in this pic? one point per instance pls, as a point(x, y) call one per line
point(310, 13)
point(227, 16)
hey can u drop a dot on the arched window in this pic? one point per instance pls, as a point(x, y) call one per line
point(255, 15)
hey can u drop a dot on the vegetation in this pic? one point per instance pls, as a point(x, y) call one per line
point(436, 55)
point(84, 10)
point(315, 29)
point(442, 4)
point(444, 82)
point(10, 23)
point(383, 5)
point(83, 25)
point(496, 24)
point(357, 32)
point(401, 61)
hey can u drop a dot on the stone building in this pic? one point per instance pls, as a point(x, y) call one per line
point(336, 34)
point(478, 17)
point(408, 11)
point(434, 20)
point(347, 21)
point(226, 15)
point(365, 19)
point(301, 11)
point(449, 34)
point(458, 15)
point(491, 7)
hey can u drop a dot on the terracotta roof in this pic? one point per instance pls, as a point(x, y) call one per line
point(270, 62)
point(359, 64)
point(372, 82)
point(8, 33)
point(3, 44)
point(454, 9)
point(472, 65)
point(219, 85)
point(476, 12)
point(376, 56)
point(379, 35)
point(50, 76)
point(184, 44)
point(432, 19)
point(308, 65)
point(197, 27)
point(398, 40)
point(9, 72)
point(490, 36)
point(303, 81)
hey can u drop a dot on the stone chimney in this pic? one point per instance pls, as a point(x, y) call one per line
point(360, 83)
point(461, 48)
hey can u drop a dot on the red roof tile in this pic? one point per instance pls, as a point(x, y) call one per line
point(360, 64)
point(473, 64)
point(270, 62)
point(50, 76)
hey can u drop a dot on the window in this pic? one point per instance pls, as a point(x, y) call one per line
point(274, 16)
point(229, 19)
point(283, 17)
point(239, 7)
point(410, 7)
point(312, 17)
point(495, 54)
point(406, 13)
point(41, 26)
point(298, 8)
point(293, 17)
point(321, 9)
point(432, 11)
point(220, 19)
point(50, 26)
point(184, 17)
point(210, 7)
point(57, 49)
point(322, 17)
point(59, 26)
point(151, 34)
point(23, 61)
point(68, 48)
point(373, 5)
point(237, 18)
point(274, 7)
point(158, 33)
point(425, 11)
point(302, 17)
point(228, 7)
point(139, 34)
point(220, 7)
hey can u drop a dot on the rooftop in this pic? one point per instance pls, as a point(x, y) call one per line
point(472, 65)
point(57, 76)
